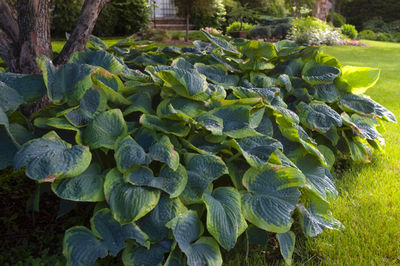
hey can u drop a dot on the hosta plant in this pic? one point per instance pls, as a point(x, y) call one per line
point(184, 150)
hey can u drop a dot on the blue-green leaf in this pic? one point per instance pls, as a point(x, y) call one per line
point(170, 181)
point(81, 247)
point(129, 153)
point(225, 221)
point(67, 84)
point(165, 125)
point(186, 228)
point(105, 227)
point(128, 203)
point(153, 224)
point(135, 255)
point(87, 186)
point(98, 58)
point(318, 116)
point(286, 245)
point(202, 170)
point(105, 129)
point(50, 157)
point(272, 196)
point(204, 251)
point(257, 150)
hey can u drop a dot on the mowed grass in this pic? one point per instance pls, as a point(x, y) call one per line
point(369, 202)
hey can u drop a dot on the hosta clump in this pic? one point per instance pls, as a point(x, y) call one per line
point(184, 149)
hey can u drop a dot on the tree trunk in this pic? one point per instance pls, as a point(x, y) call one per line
point(187, 24)
point(320, 9)
point(34, 33)
point(25, 33)
point(81, 33)
point(333, 11)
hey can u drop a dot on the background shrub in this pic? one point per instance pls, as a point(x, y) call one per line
point(122, 17)
point(118, 18)
point(63, 16)
point(367, 35)
point(237, 26)
point(260, 32)
point(349, 30)
point(384, 37)
point(338, 19)
point(357, 11)
point(214, 16)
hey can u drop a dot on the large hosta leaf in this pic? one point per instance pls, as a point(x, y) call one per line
point(30, 87)
point(105, 129)
point(135, 255)
point(179, 108)
point(128, 203)
point(141, 102)
point(59, 123)
point(315, 74)
point(222, 44)
point(202, 170)
point(154, 222)
point(326, 92)
point(363, 126)
point(186, 228)
point(110, 85)
point(92, 102)
point(217, 74)
point(286, 245)
point(10, 99)
point(82, 248)
point(363, 105)
point(272, 196)
point(87, 186)
point(225, 221)
point(257, 150)
point(267, 94)
point(164, 125)
point(164, 151)
point(318, 116)
point(67, 84)
point(7, 150)
point(98, 58)
point(256, 49)
point(233, 121)
point(129, 153)
point(204, 251)
point(314, 220)
point(186, 83)
point(317, 176)
point(171, 181)
point(50, 157)
point(113, 233)
point(358, 80)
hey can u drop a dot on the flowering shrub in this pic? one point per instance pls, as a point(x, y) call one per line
point(212, 30)
point(313, 31)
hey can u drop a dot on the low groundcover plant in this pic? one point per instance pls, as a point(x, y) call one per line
point(183, 150)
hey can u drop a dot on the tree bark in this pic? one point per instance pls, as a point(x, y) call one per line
point(34, 33)
point(320, 9)
point(81, 33)
point(25, 33)
point(8, 21)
